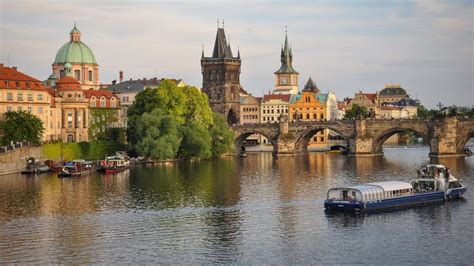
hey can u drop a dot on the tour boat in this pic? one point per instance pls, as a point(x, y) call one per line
point(114, 164)
point(76, 168)
point(435, 183)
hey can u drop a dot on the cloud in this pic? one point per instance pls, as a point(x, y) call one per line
point(427, 46)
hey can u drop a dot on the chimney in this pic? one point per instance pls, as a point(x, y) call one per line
point(121, 76)
point(14, 68)
point(130, 80)
point(155, 80)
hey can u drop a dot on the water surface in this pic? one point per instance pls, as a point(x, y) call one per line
point(231, 210)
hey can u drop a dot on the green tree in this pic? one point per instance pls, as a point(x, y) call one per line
point(159, 135)
point(422, 112)
point(222, 136)
point(21, 126)
point(195, 142)
point(356, 112)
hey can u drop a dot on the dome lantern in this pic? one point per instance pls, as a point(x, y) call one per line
point(75, 34)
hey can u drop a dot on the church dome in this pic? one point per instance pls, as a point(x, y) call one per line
point(75, 51)
point(392, 90)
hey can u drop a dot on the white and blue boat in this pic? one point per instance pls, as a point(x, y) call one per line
point(434, 183)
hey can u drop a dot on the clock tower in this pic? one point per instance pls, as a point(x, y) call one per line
point(286, 78)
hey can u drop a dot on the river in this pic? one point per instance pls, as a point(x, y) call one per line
point(256, 210)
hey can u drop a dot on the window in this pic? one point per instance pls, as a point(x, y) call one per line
point(61, 73)
point(112, 103)
point(40, 110)
point(40, 97)
point(30, 97)
point(90, 75)
point(77, 74)
point(9, 108)
point(70, 138)
point(9, 96)
point(69, 121)
point(19, 97)
point(102, 102)
point(30, 109)
point(322, 139)
point(7, 83)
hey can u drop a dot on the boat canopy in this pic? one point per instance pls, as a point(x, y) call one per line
point(370, 191)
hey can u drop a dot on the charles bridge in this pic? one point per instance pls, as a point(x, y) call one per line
point(445, 136)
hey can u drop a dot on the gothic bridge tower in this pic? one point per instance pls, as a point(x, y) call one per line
point(221, 79)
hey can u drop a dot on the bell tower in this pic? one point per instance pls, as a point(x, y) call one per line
point(221, 78)
point(286, 78)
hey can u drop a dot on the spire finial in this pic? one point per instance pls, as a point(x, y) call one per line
point(286, 29)
point(217, 22)
point(222, 23)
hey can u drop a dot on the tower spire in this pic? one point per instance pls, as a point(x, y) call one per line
point(286, 57)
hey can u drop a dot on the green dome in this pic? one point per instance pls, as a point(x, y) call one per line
point(75, 53)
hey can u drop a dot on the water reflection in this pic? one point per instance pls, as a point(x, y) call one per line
point(255, 210)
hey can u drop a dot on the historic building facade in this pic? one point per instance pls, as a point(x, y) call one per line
point(221, 79)
point(76, 59)
point(274, 106)
point(286, 77)
point(20, 92)
point(392, 93)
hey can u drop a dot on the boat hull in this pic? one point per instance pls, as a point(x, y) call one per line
point(113, 170)
point(399, 202)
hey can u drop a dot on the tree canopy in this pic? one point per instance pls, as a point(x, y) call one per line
point(170, 121)
point(356, 112)
point(20, 126)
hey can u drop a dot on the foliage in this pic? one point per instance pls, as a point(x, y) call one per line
point(100, 121)
point(159, 135)
point(21, 126)
point(82, 150)
point(195, 142)
point(222, 137)
point(356, 112)
point(422, 112)
point(451, 111)
point(170, 121)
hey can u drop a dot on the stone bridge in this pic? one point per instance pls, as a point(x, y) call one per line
point(446, 136)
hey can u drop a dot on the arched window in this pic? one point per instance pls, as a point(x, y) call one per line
point(315, 116)
point(90, 75)
point(322, 116)
point(112, 102)
point(102, 102)
point(307, 116)
point(93, 101)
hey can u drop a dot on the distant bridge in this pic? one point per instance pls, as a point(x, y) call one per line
point(446, 136)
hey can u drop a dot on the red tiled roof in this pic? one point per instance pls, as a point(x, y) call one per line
point(371, 96)
point(282, 97)
point(68, 83)
point(99, 93)
point(18, 80)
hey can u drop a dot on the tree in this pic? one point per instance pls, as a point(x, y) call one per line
point(222, 136)
point(195, 130)
point(422, 112)
point(21, 126)
point(356, 112)
point(195, 142)
point(159, 135)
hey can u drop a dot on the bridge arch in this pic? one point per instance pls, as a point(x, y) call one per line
point(302, 141)
point(241, 136)
point(463, 141)
point(379, 140)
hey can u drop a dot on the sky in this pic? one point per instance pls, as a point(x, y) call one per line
point(345, 46)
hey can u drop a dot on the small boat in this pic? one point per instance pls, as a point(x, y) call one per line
point(33, 166)
point(76, 168)
point(114, 164)
point(437, 184)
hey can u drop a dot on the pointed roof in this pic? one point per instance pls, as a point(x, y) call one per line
point(221, 47)
point(311, 86)
point(286, 60)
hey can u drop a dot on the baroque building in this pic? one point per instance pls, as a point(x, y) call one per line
point(221, 79)
point(76, 59)
point(286, 77)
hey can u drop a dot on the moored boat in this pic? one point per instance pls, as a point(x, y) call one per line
point(394, 194)
point(76, 168)
point(114, 164)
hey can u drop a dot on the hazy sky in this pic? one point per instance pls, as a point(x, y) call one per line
point(345, 46)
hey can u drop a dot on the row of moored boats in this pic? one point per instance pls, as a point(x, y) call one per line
point(110, 165)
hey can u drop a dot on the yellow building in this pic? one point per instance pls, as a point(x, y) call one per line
point(310, 105)
point(20, 92)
